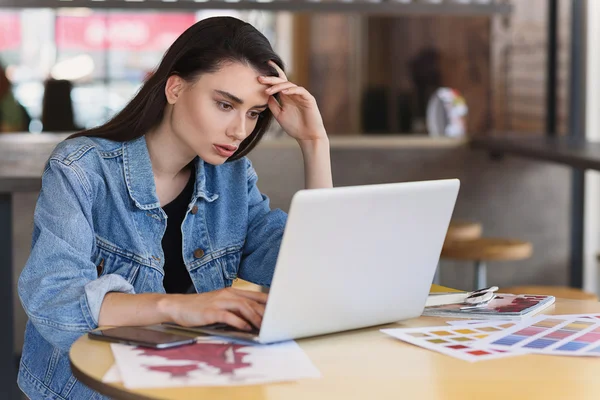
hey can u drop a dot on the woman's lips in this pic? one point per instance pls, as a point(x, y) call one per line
point(225, 150)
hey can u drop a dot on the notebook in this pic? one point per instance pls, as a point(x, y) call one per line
point(503, 306)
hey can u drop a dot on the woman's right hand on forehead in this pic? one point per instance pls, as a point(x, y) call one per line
point(241, 309)
point(296, 110)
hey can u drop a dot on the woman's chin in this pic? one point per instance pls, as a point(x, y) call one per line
point(214, 160)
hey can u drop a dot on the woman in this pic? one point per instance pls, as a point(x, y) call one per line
point(13, 117)
point(103, 252)
point(57, 106)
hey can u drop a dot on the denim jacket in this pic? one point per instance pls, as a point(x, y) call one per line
point(98, 227)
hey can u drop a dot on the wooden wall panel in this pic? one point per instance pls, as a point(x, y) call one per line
point(519, 67)
point(327, 61)
point(458, 48)
point(334, 71)
point(301, 55)
point(498, 63)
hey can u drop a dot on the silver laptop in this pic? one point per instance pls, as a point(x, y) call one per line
point(353, 257)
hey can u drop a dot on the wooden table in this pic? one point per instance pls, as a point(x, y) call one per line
point(367, 364)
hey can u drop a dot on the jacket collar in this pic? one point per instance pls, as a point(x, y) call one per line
point(140, 178)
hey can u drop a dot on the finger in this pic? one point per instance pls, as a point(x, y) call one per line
point(250, 315)
point(279, 87)
point(259, 308)
point(256, 296)
point(245, 310)
point(274, 106)
point(278, 69)
point(271, 80)
point(231, 319)
point(297, 90)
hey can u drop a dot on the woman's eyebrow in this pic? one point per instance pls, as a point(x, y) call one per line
point(236, 99)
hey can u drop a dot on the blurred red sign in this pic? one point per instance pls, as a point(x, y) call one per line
point(10, 31)
point(121, 31)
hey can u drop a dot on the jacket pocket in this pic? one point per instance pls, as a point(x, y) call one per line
point(148, 280)
point(230, 263)
point(108, 262)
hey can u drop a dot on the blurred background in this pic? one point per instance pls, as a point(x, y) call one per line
point(371, 73)
point(500, 94)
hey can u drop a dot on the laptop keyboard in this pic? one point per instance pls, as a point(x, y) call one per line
point(228, 328)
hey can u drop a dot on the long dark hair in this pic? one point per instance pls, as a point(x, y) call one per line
point(203, 48)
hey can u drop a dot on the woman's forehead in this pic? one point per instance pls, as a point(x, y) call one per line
point(237, 79)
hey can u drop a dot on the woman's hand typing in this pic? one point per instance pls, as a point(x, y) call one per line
point(241, 309)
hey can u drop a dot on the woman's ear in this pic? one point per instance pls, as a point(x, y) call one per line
point(173, 88)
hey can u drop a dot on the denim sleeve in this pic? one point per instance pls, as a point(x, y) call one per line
point(59, 287)
point(265, 231)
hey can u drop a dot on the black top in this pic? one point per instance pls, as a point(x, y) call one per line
point(177, 278)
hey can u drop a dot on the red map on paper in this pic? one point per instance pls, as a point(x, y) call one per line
point(222, 356)
point(211, 361)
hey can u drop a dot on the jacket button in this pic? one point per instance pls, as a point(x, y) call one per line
point(100, 267)
point(195, 210)
point(198, 253)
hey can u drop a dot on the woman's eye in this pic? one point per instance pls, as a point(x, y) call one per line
point(253, 114)
point(224, 106)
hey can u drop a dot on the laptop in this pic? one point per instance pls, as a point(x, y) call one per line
point(353, 257)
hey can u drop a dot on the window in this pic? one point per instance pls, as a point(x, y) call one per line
point(106, 54)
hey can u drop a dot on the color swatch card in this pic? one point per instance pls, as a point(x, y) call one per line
point(457, 342)
point(550, 334)
point(463, 322)
point(594, 317)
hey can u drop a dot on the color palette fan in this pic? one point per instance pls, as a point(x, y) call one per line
point(459, 342)
point(572, 335)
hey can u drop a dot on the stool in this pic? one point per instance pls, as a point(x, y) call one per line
point(486, 249)
point(463, 230)
point(459, 230)
point(562, 292)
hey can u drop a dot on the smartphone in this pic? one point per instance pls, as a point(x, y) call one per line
point(140, 336)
